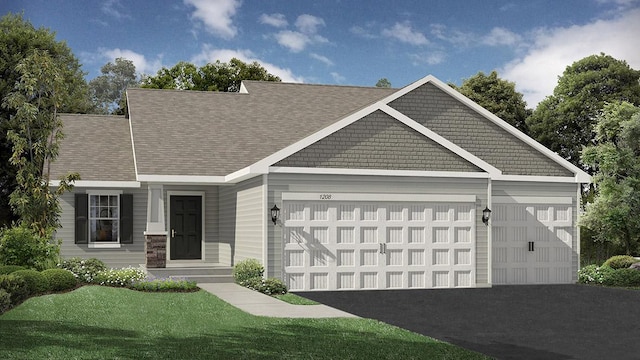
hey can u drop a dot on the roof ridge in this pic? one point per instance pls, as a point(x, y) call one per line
point(319, 85)
point(185, 91)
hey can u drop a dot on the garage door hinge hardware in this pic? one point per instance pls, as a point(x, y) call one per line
point(531, 246)
point(383, 248)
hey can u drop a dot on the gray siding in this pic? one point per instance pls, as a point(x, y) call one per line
point(211, 231)
point(279, 183)
point(378, 141)
point(242, 218)
point(128, 255)
point(505, 188)
point(461, 125)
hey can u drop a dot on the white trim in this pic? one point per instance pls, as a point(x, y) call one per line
point(99, 184)
point(183, 179)
point(559, 200)
point(133, 146)
point(489, 234)
point(102, 244)
point(376, 172)
point(546, 179)
point(334, 196)
point(105, 245)
point(265, 223)
point(103, 192)
point(171, 193)
point(576, 226)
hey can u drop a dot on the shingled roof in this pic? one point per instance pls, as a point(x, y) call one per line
point(215, 134)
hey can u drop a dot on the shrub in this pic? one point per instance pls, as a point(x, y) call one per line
point(8, 269)
point(165, 285)
point(270, 286)
point(246, 270)
point(22, 246)
point(16, 286)
point(623, 277)
point(60, 279)
point(36, 282)
point(120, 277)
point(5, 301)
point(594, 274)
point(84, 270)
point(620, 261)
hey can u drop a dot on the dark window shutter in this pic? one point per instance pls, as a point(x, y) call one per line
point(126, 219)
point(82, 219)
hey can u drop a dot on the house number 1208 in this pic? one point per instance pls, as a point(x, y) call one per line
point(325, 196)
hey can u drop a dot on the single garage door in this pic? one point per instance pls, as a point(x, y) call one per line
point(533, 240)
point(355, 242)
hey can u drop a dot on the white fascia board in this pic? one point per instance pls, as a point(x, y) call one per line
point(377, 172)
point(133, 146)
point(99, 184)
point(246, 173)
point(557, 200)
point(301, 144)
point(335, 196)
point(440, 140)
point(182, 179)
point(547, 179)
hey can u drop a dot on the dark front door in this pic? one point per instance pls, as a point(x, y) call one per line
point(186, 227)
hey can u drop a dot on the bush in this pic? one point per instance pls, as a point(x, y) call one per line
point(60, 279)
point(84, 270)
point(5, 301)
point(270, 286)
point(620, 261)
point(36, 282)
point(594, 274)
point(623, 277)
point(16, 286)
point(8, 269)
point(246, 270)
point(165, 285)
point(120, 277)
point(22, 246)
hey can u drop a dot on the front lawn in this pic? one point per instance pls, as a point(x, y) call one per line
point(95, 322)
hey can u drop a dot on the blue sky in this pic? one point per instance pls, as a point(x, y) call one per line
point(349, 42)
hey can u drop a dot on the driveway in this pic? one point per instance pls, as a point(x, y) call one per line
point(510, 322)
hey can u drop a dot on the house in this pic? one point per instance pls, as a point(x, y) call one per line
point(330, 187)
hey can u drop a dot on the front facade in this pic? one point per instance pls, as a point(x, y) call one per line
point(377, 188)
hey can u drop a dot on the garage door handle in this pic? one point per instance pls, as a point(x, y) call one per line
point(531, 248)
point(383, 248)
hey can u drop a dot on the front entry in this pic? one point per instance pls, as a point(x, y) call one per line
point(186, 227)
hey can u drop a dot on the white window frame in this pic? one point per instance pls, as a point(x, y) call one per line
point(103, 245)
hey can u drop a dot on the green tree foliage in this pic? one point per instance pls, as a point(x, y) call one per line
point(108, 90)
point(383, 83)
point(18, 39)
point(498, 96)
point(35, 132)
point(218, 76)
point(564, 121)
point(613, 215)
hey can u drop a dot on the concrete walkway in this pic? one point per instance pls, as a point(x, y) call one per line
point(256, 303)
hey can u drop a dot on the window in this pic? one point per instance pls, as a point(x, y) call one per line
point(104, 218)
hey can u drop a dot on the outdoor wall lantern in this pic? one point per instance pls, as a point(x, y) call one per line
point(275, 213)
point(486, 214)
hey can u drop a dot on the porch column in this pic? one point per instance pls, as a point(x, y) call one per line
point(155, 234)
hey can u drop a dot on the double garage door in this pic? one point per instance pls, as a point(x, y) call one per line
point(533, 240)
point(337, 242)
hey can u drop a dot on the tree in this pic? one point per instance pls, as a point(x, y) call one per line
point(18, 39)
point(218, 76)
point(498, 96)
point(383, 83)
point(564, 121)
point(613, 215)
point(108, 90)
point(35, 133)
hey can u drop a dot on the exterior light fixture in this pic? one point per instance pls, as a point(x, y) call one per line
point(275, 213)
point(486, 214)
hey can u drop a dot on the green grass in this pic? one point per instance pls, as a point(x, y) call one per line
point(295, 299)
point(95, 322)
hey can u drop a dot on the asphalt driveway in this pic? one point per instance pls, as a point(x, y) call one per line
point(510, 322)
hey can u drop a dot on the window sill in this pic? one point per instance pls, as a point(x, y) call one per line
point(104, 245)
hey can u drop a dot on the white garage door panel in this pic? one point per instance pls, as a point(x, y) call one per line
point(548, 227)
point(384, 245)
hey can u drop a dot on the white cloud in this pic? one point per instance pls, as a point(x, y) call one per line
point(322, 59)
point(404, 33)
point(209, 54)
point(501, 36)
point(455, 37)
point(292, 40)
point(430, 58)
point(114, 8)
point(275, 20)
point(217, 15)
point(337, 77)
point(142, 64)
point(536, 73)
point(309, 24)
point(362, 32)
